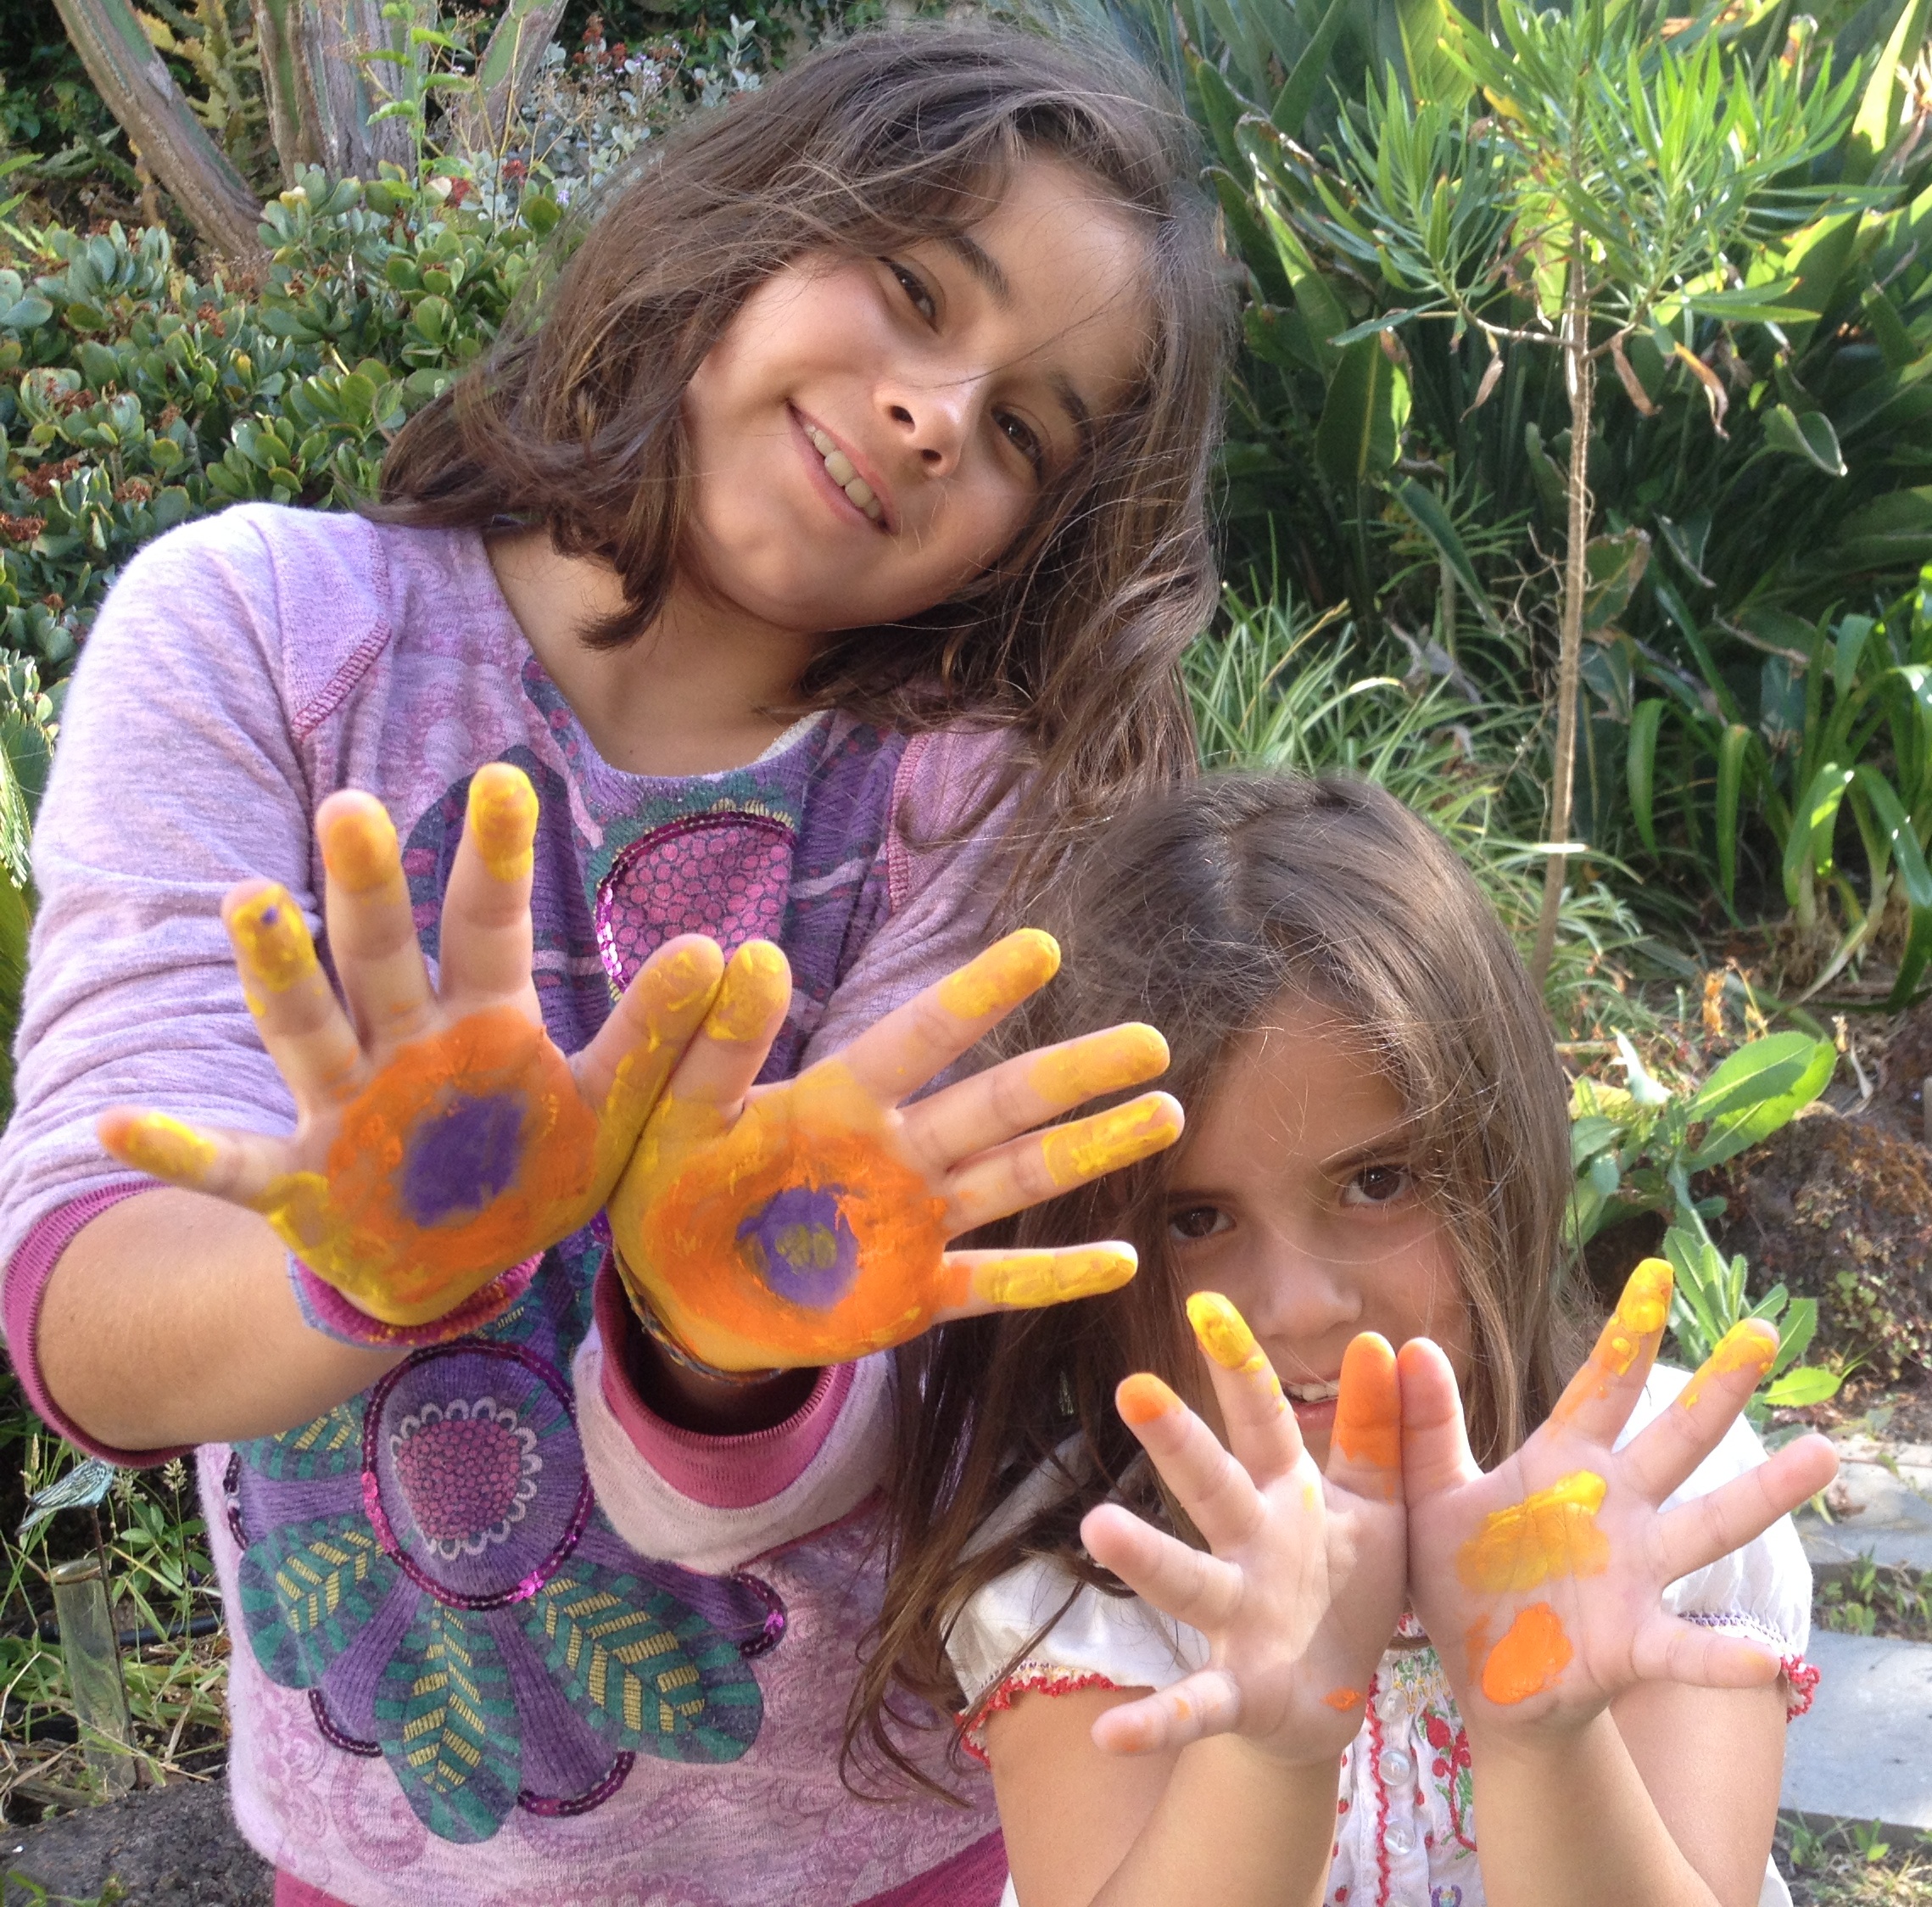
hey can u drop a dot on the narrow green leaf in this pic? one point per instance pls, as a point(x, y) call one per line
point(1427, 508)
point(1913, 875)
point(1810, 436)
point(1809, 1384)
point(1297, 98)
point(1640, 766)
point(1733, 753)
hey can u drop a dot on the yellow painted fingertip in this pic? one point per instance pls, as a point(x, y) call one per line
point(1032, 1279)
point(161, 1147)
point(272, 942)
point(1750, 1345)
point(502, 819)
point(359, 844)
point(1090, 1147)
point(687, 976)
point(757, 983)
point(1142, 1399)
point(999, 979)
point(1223, 1332)
point(1121, 1056)
point(1646, 1301)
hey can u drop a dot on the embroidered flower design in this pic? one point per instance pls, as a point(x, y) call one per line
point(428, 1562)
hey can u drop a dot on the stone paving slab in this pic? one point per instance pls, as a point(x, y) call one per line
point(1864, 1753)
point(1880, 1512)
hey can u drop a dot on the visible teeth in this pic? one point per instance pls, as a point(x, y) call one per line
point(1314, 1393)
point(859, 491)
point(821, 442)
point(839, 468)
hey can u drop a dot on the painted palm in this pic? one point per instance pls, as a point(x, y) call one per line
point(428, 1562)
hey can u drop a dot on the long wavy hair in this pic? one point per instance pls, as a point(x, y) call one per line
point(1072, 638)
point(1201, 912)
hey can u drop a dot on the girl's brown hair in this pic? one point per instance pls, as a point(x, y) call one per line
point(1073, 637)
point(1200, 912)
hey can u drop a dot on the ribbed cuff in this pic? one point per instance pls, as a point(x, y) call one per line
point(325, 1310)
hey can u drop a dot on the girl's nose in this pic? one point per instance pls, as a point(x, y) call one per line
point(932, 420)
point(1307, 1300)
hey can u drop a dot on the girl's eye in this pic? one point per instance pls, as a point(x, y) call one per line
point(1194, 1222)
point(914, 287)
point(1022, 436)
point(1378, 1185)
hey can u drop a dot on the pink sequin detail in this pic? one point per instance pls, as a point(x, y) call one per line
point(728, 876)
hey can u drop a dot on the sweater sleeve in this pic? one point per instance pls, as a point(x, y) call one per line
point(179, 772)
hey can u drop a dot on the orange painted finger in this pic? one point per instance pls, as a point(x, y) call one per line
point(1664, 1453)
point(1024, 1171)
point(895, 1058)
point(1186, 1584)
point(1364, 1454)
point(486, 938)
point(1207, 1703)
point(1261, 1428)
point(1216, 1492)
point(372, 926)
point(1436, 1454)
point(234, 1166)
point(1001, 1103)
point(301, 1022)
point(1029, 1280)
point(1601, 1395)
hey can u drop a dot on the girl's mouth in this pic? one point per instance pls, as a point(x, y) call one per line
point(1314, 1404)
point(845, 474)
point(1325, 1393)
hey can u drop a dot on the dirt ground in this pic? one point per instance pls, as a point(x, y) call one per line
point(171, 1847)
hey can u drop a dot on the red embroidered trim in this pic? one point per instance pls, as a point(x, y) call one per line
point(1802, 1679)
point(1030, 1678)
point(1382, 1881)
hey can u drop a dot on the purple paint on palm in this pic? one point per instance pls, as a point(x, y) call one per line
point(800, 1244)
point(459, 1157)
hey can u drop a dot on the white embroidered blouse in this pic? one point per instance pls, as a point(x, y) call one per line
point(1405, 1832)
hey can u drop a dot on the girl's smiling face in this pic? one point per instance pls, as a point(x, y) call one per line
point(870, 433)
point(1295, 1194)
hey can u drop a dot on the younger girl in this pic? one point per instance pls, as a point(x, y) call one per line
point(1409, 1681)
point(820, 562)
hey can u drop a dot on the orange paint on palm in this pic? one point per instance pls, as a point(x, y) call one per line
point(998, 980)
point(1368, 1411)
point(271, 943)
point(1033, 1278)
point(1551, 1533)
point(471, 1149)
point(1637, 1324)
point(359, 845)
point(748, 1243)
point(1142, 1398)
point(1750, 1346)
point(1534, 1651)
point(502, 819)
point(1341, 1700)
point(1088, 1149)
point(1103, 1063)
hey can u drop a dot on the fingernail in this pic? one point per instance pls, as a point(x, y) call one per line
point(1142, 1398)
point(1223, 1332)
point(1034, 1278)
point(273, 944)
point(358, 847)
point(754, 983)
point(1003, 977)
point(165, 1148)
point(1121, 1056)
point(1091, 1147)
point(1749, 1345)
point(502, 816)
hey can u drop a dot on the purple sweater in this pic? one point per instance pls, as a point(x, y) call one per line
point(481, 1656)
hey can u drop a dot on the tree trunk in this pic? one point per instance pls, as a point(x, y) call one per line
point(322, 88)
point(160, 126)
point(506, 72)
point(1580, 375)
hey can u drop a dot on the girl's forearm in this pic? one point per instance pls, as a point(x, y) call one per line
point(1564, 1820)
point(169, 1320)
point(1234, 1829)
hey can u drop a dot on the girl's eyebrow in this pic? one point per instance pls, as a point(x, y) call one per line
point(981, 264)
point(1391, 1138)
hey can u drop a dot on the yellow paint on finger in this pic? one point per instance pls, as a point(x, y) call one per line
point(1533, 1652)
point(1223, 1332)
point(1368, 1411)
point(359, 846)
point(502, 819)
point(164, 1148)
point(1641, 1311)
point(757, 983)
point(684, 978)
point(1034, 1278)
point(273, 946)
point(1551, 1533)
point(1750, 1346)
point(998, 980)
point(1090, 1147)
point(1341, 1700)
point(1142, 1399)
point(1102, 1063)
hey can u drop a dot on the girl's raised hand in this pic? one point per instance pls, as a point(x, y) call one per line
point(1304, 1584)
point(1540, 1583)
point(806, 1222)
point(440, 1138)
